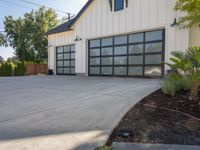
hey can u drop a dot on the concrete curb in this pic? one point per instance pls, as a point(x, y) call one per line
point(135, 146)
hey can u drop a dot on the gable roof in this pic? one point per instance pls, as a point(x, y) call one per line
point(67, 25)
point(61, 28)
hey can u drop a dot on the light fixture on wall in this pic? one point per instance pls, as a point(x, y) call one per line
point(174, 24)
point(77, 39)
point(49, 45)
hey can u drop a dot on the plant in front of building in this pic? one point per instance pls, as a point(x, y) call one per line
point(19, 69)
point(6, 69)
point(187, 66)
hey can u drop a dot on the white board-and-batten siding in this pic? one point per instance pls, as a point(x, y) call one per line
point(99, 21)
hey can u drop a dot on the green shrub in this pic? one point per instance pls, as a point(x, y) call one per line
point(6, 69)
point(187, 65)
point(168, 87)
point(19, 70)
point(174, 82)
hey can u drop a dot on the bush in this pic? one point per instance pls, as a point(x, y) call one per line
point(174, 82)
point(187, 65)
point(19, 70)
point(168, 86)
point(6, 69)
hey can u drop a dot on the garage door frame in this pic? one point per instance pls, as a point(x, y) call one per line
point(128, 44)
point(70, 59)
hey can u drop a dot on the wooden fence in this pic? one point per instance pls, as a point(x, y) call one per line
point(34, 69)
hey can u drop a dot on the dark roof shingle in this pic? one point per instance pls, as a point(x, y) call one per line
point(61, 28)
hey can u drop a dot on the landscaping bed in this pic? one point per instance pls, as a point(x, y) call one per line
point(159, 118)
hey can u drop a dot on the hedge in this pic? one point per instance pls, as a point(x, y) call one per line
point(19, 70)
point(10, 69)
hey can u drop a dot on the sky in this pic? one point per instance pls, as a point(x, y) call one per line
point(17, 8)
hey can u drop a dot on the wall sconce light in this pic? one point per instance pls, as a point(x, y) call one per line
point(174, 24)
point(77, 39)
point(49, 45)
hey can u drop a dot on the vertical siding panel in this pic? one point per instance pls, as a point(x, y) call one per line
point(137, 14)
point(162, 16)
point(93, 22)
point(99, 21)
point(170, 31)
point(129, 16)
point(144, 13)
point(122, 21)
point(109, 20)
point(104, 17)
point(88, 18)
point(153, 13)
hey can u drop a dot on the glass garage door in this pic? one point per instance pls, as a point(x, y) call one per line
point(65, 60)
point(134, 55)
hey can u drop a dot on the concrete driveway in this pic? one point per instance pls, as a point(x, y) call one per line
point(65, 112)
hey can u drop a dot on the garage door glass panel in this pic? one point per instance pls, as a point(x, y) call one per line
point(135, 71)
point(153, 59)
point(135, 60)
point(153, 47)
point(120, 50)
point(60, 70)
point(72, 55)
point(60, 56)
point(95, 70)
point(153, 36)
point(95, 52)
point(152, 71)
point(73, 63)
point(67, 56)
point(107, 61)
point(106, 51)
point(120, 40)
point(72, 48)
point(67, 49)
point(95, 43)
point(136, 38)
point(121, 71)
point(120, 60)
point(67, 63)
point(95, 61)
point(107, 42)
point(60, 50)
point(107, 70)
point(137, 54)
point(136, 49)
point(60, 63)
point(66, 70)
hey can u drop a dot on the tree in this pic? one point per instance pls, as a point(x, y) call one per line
point(27, 34)
point(192, 10)
point(13, 59)
point(3, 40)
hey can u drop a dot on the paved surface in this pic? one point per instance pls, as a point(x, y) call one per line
point(128, 146)
point(65, 113)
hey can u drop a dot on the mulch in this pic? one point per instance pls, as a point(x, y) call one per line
point(162, 119)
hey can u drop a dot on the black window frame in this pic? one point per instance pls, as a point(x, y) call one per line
point(115, 6)
point(70, 59)
point(128, 44)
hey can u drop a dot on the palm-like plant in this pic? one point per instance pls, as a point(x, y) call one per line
point(188, 65)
